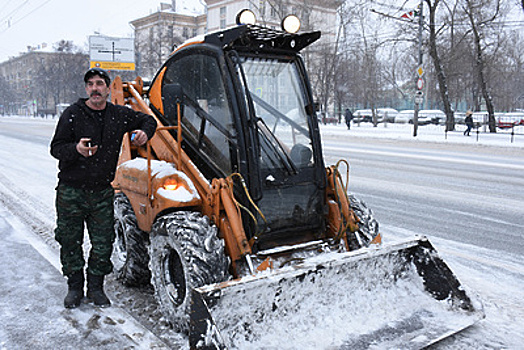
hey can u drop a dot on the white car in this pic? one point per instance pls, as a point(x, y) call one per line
point(408, 115)
point(435, 116)
point(387, 115)
point(405, 116)
point(363, 115)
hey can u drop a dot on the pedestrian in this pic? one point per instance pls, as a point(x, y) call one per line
point(349, 117)
point(469, 122)
point(87, 143)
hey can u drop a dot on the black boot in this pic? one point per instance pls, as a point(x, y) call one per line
point(75, 293)
point(95, 291)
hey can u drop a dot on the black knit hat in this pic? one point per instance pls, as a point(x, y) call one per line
point(97, 71)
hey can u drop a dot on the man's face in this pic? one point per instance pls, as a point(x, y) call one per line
point(97, 90)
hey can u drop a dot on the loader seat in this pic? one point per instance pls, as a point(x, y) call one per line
point(301, 155)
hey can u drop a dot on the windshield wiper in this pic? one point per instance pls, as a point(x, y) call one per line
point(279, 115)
point(277, 147)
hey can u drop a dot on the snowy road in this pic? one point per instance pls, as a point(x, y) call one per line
point(459, 193)
point(468, 199)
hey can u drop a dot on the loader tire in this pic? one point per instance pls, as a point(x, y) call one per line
point(368, 226)
point(185, 253)
point(131, 255)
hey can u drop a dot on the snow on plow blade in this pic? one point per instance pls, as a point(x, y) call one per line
point(400, 296)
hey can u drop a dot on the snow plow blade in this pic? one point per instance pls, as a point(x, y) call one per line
point(400, 296)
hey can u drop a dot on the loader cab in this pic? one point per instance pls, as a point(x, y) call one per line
point(247, 109)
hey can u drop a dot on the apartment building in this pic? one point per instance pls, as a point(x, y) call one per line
point(157, 34)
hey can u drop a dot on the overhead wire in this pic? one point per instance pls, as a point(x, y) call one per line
point(12, 23)
point(14, 11)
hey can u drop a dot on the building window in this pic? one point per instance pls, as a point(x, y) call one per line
point(185, 33)
point(222, 11)
point(262, 8)
point(222, 24)
point(170, 32)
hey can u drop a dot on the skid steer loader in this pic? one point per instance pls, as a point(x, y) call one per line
point(249, 240)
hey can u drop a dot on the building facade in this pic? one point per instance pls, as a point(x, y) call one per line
point(35, 82)
point(158, 34)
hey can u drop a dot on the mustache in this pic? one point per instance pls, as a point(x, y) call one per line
point(95, 93)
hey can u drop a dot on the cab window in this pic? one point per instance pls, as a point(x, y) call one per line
point(207, 113)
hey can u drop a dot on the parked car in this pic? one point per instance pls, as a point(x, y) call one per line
point(387, 115)
point(435, 116)
point(480, 118)
point(460, 117)
point(509, 120)
point(326, 118)
point(382, 114)
point(363, 115)
point(407, 116)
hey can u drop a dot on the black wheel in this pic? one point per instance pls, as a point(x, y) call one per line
point(185, 253)
point(368, 226)
point(131, 257)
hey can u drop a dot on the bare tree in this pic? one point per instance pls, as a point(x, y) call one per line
point(7, 95)
point(154, 47)
point(478, 18)
point(437, 63)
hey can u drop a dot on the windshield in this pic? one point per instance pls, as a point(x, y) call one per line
point(277, 92)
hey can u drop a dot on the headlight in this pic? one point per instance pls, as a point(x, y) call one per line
point(291, 24)
point(171, 184)
point(246, 17)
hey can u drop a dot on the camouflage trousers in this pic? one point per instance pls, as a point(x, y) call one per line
point(76, 208)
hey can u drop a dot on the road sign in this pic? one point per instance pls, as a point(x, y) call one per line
point(420, 71)
point(419, 97)
point(420, 83)
point(112, 53)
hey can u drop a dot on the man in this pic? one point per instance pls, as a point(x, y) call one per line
point(87, 143)
point(469, 122)
point(349, 117)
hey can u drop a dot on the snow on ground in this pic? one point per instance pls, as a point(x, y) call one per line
point(429, 133)
point(31, 311)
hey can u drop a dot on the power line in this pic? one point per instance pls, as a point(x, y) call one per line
point(15, 10)
point(23, 16)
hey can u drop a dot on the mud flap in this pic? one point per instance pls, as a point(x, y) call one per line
point(396, 296)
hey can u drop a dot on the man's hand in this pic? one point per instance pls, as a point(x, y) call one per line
point(138, 137)
point(85, 148)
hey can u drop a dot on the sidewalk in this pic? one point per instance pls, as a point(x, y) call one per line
point(32, 315)
point(428, 133)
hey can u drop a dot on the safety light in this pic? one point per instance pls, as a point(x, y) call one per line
point(246, 17)
point(171, 184)
point(291, 24)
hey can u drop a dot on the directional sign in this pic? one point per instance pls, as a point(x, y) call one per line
point(112, 53)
